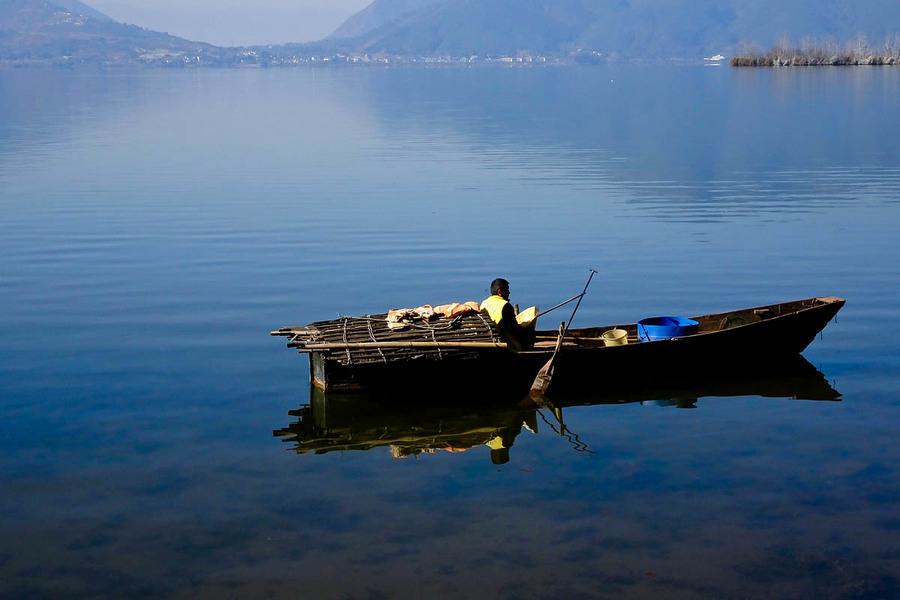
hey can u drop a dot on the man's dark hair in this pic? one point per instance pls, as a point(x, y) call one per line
point(497, 285)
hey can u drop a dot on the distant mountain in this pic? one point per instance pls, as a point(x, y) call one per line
point(619, 28)
point(379, 14)
point(70, 32)
point(80, 8)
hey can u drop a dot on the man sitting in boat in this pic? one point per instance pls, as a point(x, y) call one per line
point(497, 306)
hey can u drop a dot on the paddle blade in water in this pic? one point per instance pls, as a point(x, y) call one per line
point(542, 380)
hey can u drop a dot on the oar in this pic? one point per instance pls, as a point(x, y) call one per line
point(545, 375)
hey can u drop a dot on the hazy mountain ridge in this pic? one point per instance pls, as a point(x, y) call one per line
point(623, 28)
point(377, 15)
point(70, 32)
point(77, 7)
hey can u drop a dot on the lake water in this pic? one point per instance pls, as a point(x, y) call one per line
point(155, 226)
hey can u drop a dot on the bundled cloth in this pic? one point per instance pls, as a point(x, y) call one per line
point(399, 318)
point(457, 308)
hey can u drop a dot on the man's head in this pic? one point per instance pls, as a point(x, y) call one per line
point(500, 287)
point(500, 457)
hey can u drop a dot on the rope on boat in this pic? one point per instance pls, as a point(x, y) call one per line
point(434, 338)
point(349, 357)
point(491, 329)
point(372, 335)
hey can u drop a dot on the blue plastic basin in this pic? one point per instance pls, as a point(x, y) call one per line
point(663, 328)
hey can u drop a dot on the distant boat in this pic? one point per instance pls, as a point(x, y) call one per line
point(716, 58)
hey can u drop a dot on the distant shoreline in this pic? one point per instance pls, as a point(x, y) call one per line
point(273, 58)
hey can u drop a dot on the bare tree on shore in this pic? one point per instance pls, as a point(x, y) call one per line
point(812, 52)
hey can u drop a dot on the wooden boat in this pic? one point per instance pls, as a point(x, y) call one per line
point(356, 353)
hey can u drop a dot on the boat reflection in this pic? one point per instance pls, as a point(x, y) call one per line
point(413, 427)
point(795, 378)
point(338, 422)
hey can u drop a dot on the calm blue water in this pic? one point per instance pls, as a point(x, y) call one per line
point(156, 225)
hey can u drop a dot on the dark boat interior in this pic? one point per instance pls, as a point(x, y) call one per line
point(590, 337)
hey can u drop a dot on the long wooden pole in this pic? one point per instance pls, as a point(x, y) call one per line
point(572, 318)
point(545, 375)
point(376, 345)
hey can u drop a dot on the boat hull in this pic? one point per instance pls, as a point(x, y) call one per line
point(748, 336)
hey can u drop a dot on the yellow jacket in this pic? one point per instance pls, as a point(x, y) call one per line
point(494, 306)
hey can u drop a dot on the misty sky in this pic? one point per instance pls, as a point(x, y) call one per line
point(235, 22)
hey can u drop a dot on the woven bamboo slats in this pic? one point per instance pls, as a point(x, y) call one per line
point(368, 339)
